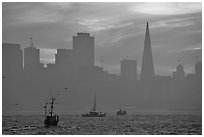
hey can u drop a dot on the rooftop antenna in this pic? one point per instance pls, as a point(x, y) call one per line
point(31, 42)
point(94, 107)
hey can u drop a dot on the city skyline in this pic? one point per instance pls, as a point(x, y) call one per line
point(75, 68)
point(175, 34)
point(130, 68)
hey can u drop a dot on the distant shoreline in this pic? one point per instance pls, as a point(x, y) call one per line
point(110, 112)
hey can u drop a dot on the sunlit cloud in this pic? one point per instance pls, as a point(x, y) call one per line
point(172, 23)
point(117, 39)
point(47, 55)
point(167, 8)
point(100, 24)
point(113, 68)
point(121, 37)
point(47, 61)
point(48, 51)
point(184, 50)
point(95, 24)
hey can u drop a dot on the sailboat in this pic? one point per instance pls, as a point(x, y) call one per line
point(50, 119)
point(120, 112)
point(93, 112)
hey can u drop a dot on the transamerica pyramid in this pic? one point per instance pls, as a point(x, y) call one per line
point(147, 71)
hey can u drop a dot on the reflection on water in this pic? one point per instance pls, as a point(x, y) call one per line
point(112, 124)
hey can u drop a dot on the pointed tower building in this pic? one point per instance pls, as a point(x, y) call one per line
point(147, 71)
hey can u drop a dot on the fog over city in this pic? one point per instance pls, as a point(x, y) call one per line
point(118, 29)
point(140, 56)
point(101, 68)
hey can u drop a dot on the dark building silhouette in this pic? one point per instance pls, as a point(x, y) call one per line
point(129, 69)
point(65, 59)
point(51, 66)
point(64, 56)
point(34, 76)
point(32, 58)
point(147, 70)
point(198, 70)
point(66, 67)
point(12, 58)
point(179, 74)
point(12, 68)
point(83, 46)
point(74, 78)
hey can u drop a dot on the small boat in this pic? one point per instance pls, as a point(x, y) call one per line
point(50, 119)
point(93, 112)
point(120, 112)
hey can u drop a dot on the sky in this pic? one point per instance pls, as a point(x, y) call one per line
point(118, 29)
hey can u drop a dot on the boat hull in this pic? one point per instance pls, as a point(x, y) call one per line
point(121, 113)
point(94, 114)
point(51, 121)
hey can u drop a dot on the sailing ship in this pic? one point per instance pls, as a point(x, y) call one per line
point(93, 112)
point(120, 112)
point(50, 119)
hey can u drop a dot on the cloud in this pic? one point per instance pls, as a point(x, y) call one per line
point(47, 61)
point(37, 17)
point(95, 24)
point(125, 35)
point(185, 50)
point(100, 24)
point(112, 68)
point(189, 24)
point(47, 55)
point(48, 51)
point(118, 28)
point(167, 8)
point(60, 5)
point(174, 23)
point(27, 14)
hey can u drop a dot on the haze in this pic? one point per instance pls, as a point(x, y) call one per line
point(140, 56)
point(118, 28)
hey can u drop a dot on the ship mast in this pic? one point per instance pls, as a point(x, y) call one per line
point(52, 106)
point(94, 107)
point(45, 108)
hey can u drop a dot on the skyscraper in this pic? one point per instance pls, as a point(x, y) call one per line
point(32, 58)
point(12, 59)
point(12, 68)
point(147, 71)
point(179, 74)
point(64, 57)
point(83, 46)
point(198, 70)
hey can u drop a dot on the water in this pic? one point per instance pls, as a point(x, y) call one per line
point(139, 124)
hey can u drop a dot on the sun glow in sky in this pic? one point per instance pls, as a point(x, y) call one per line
point(118, 28)
point(167, 8)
